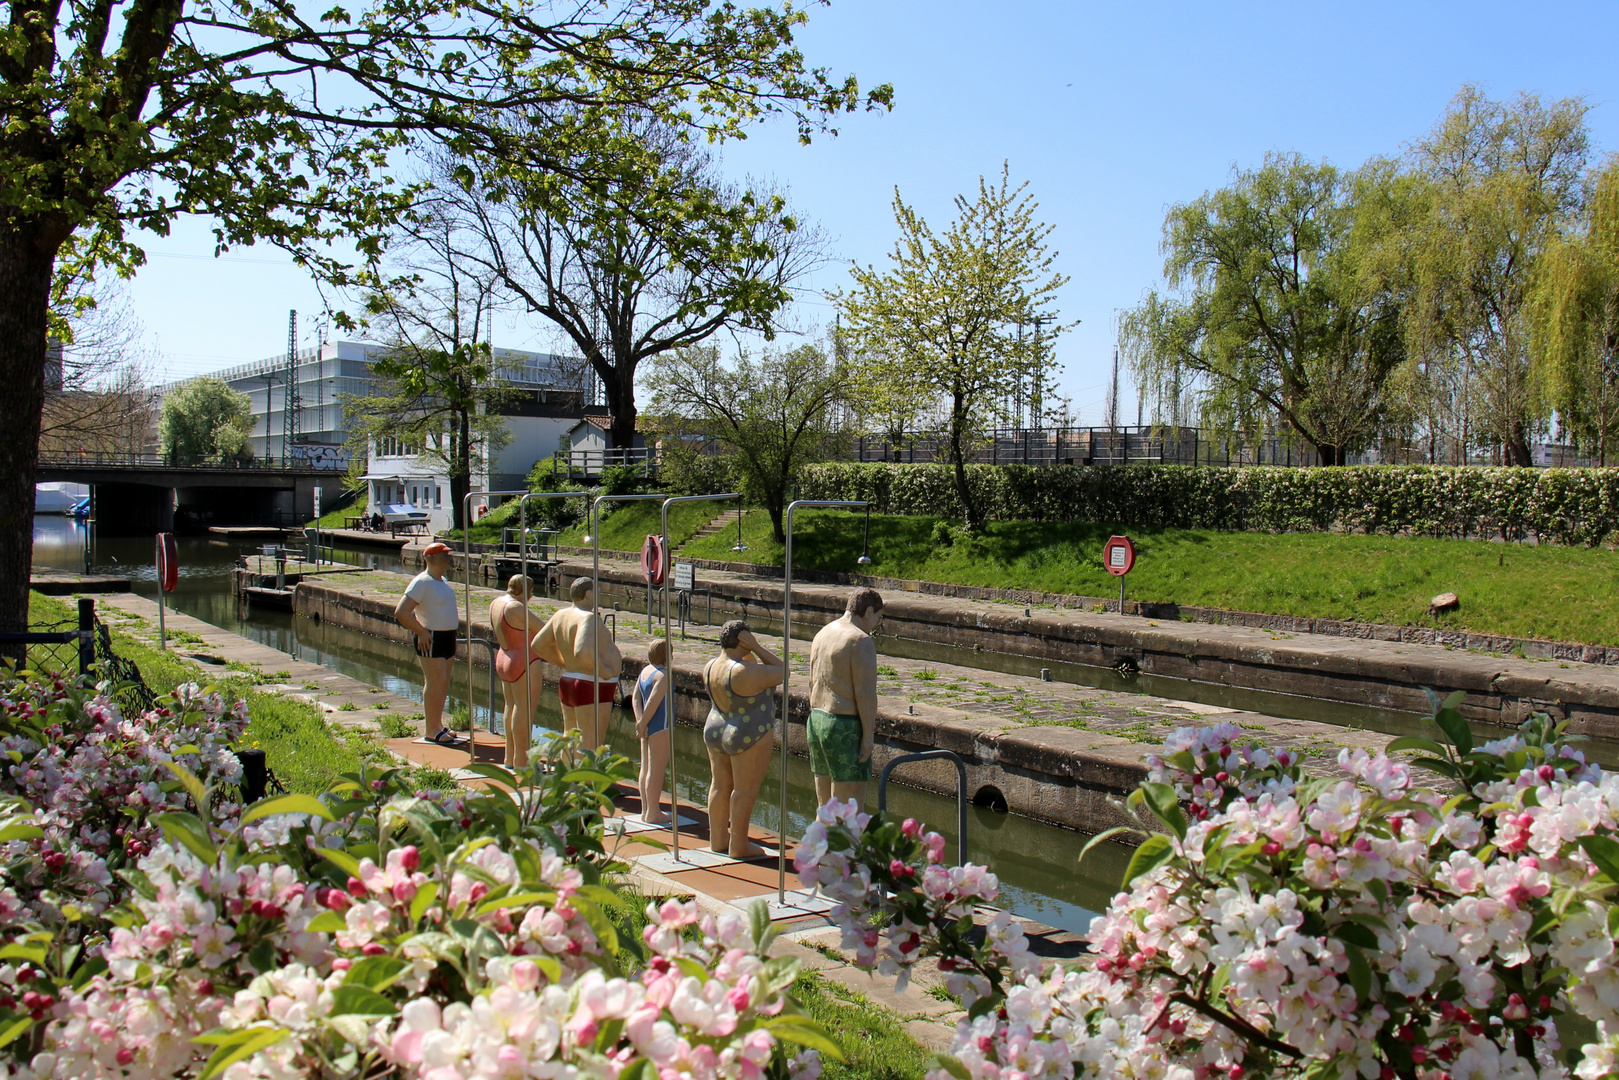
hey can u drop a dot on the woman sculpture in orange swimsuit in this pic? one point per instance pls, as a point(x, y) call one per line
point(517, 665)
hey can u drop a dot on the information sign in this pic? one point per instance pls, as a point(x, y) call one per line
point(1119, 555)
point(683, 577)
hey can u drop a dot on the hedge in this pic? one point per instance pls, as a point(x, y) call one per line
point(1564, 506)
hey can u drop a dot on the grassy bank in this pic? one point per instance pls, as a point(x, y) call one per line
point(333, 519)
point(624, 526)
point(1563, 593)
point(306, 752)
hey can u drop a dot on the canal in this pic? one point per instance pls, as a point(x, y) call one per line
point(1037, 863)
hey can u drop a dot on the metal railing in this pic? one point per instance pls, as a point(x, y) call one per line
point(961, 791)
point(588, 464)
point(100, 460)
point(82, 637)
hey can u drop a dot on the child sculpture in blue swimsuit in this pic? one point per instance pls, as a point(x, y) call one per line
point(651, 704)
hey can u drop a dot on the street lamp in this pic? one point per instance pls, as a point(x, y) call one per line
point(787, 663)
point(668, 637)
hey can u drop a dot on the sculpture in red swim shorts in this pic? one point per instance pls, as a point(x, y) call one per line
point(576, 640)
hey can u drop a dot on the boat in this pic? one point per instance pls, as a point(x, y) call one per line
point(61, 498)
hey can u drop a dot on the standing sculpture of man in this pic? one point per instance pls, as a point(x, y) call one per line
point(843, 700)
point(428, 611)
point(569, 639)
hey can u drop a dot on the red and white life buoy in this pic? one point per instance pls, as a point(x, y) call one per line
point(168, 562)
point(654, 560)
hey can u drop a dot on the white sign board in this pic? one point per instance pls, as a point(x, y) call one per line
point(1117, 556)
point(317, 502)
point(683, 577)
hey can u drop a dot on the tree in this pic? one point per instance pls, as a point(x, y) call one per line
point(283, 127)
point(1277, 323)
point(661, 257)
point(1500, 181)
point(437, 382)
point(1574, 320)
point(946, 316)
point(779, 413)
point(98, 400)
point(205, 421)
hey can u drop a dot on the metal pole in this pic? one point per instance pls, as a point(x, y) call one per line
point(595, 584)
point(669, 695)
point(466, 554)
point(787, 673)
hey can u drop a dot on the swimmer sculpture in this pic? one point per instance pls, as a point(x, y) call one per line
point(843, 700)
point(576, 640)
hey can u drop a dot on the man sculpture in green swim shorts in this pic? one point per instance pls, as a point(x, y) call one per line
point(843, 700)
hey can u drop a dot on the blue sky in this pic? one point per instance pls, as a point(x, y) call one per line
point(1112, 113)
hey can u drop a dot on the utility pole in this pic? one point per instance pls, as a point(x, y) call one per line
point(1037, 395)
point(1113, 394)
point(269, 381)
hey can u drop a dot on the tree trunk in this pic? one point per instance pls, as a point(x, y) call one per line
point(1516, 447)
point(461, 474)
point(1328, 454)
point(958, 458)
point(25, 283)
point(621, 406)
point(778, 531)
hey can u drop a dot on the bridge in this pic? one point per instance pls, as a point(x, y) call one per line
point(148, 492)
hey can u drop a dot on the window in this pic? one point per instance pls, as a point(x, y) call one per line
point(438, 498)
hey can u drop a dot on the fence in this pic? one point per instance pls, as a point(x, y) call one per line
point(291, 462)
point(84, 643)
point(1135, 445)
point(588, 464)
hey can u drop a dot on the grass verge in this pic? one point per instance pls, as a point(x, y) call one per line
point(1514, 590)
point(875, 1046)
point(306, 752)
point(333, 519)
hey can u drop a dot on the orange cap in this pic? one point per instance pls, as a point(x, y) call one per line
point(437, 549)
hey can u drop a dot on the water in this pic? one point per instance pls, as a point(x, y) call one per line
point(1036, 862)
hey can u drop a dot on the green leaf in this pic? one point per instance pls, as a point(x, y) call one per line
point(15, 1029)
point(952, 1065)
point(805, 1032)
point(1604, 851)
point(20, 831)
point(516, 900)
point(15, 951)
point(1416, 742)
point(376, 972)
point(598, 922)
point(423, 900)
point(360, 1001)
point(243, 1044)
point(287, 804)
point(1360, 973)
point(190, 833)
point(1166, 807)
point(1104, 835)
point(199, 794)
point(1153, 853)
point(492, 772)
point(327, 922)
point(1357, 935)
point(340, 859)
point(1454, 725)
point(1217, 982)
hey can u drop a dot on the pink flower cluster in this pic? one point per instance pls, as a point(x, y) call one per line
point(1286, 925)
point(95, 779)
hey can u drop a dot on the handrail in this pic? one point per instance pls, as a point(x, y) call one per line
point(961, 791)
point(99, 460)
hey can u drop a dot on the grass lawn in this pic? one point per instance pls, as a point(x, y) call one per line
point(333, 519)
point(306, 752)
point(624, 525)
point(1564, 593)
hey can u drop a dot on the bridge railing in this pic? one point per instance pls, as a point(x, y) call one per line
point(89, 460)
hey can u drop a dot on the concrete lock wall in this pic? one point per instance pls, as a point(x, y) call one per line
point(1058, 775)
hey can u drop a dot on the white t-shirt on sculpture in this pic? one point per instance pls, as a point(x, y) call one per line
point(435, 602)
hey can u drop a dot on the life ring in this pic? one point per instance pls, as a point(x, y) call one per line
point(168, 562)
point(654, 561)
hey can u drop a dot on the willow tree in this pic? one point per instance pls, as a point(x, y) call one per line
point(1574, 320)
point(282, 125)
point(946, 317)
point(1500, 182)
point(1272, 320)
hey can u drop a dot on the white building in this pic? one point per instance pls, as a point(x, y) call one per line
point(550, 403)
